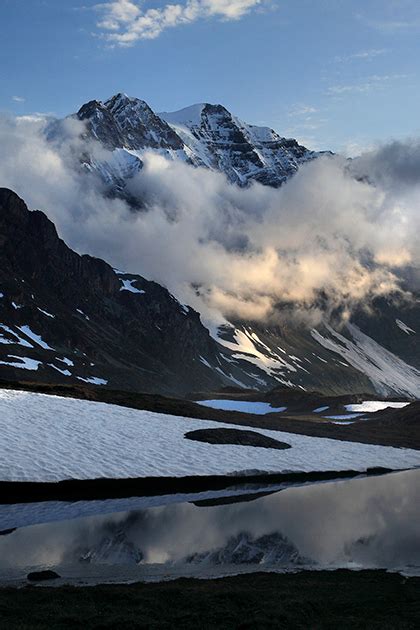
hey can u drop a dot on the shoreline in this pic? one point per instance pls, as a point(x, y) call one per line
point(80, 576)
point(12, 492)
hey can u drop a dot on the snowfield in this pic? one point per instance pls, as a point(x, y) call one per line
point(370, 406)
point(48, 438)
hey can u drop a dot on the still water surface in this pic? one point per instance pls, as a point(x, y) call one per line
point(365, 522)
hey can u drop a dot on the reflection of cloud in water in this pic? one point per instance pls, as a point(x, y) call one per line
point(371, 521)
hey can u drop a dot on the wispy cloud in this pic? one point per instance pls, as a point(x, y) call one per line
point(355, 147)
point(18, 99)
point(123, 22)
point(393, 26)
point(302, 110)
point(392, 16)
point(308, 124)
point(366, 55)
point(369, 84)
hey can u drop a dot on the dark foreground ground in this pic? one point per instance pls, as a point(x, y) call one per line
point(339, 599)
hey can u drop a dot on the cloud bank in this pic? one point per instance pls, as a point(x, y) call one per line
point(123, 22)
point(335, 236)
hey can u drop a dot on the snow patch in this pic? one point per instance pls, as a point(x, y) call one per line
point(370, 406)
point(344, 416)
point(24, 363)
point(66, 361)
point(95, 380)
point(65, 372)
point(36, 338)
point(188, 116)
point(128, 286)
point(404, 327)
point(45, 312)
point(16, 338)
point(82, 313)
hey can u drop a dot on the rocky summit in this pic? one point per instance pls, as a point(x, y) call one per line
point(204, 135)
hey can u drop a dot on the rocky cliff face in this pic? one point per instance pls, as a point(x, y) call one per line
point(244, 153)
point(127, 122)
point(202, 135)
point(66, 317)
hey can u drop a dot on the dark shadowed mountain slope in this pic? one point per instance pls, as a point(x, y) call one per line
point(66, 318)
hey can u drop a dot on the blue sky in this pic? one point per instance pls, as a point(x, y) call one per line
point(336, 74)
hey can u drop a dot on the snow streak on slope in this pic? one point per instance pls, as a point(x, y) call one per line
point(47, 438)
point(387, 372)
point(217, 139)
point(247, 346)
point(404, 327)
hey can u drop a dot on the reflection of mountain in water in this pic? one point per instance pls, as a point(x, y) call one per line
point(115, 548)
point(111, 549)
point(244, 549)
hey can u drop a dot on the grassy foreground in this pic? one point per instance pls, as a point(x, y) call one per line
point(315, 600)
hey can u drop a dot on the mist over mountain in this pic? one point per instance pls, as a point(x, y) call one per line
point(268, 241)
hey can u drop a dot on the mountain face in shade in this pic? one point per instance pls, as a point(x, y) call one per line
point(245, 153)
point(202, 135)
point(66, 318)
point(245, 549)
point(127, 122)
point(71, 318)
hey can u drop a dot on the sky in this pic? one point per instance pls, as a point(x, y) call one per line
point(335, 74)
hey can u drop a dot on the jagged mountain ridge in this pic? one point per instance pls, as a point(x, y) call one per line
point(269, 549)
point(203, 135)
point(69, 318)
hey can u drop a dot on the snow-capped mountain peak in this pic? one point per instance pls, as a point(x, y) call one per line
point(204, 134)
point(243, 152)
point(127, 122)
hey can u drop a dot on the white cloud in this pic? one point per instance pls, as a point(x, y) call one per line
point(18, 99)
point(223, 249)
point(363, 54)
point(369, 84)
point(302, 110)
point(355, 147)
point(124, 22)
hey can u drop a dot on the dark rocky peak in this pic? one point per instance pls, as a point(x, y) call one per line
point(122, 106)
point(92, 108)
point(124, 121)
point(220, 122)
point(31, 246)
